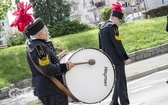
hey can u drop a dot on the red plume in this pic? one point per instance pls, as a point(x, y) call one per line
point(22, 17)
point(116, 7)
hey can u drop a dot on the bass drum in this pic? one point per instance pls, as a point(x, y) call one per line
point(89, 83)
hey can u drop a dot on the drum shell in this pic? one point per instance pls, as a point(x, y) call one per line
point(89, 83)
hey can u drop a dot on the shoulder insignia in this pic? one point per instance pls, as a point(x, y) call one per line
point(45, 61)
point(117, 37)
point(43, 57)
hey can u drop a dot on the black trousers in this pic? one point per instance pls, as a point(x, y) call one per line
point(58, 99)
point(120, 89)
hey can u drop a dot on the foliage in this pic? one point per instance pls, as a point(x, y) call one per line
point(156, 12)
point(16, 39)
point(5, 5)
point(105, 13)
point(51, 11)
point(67, 27)
point(135, 36)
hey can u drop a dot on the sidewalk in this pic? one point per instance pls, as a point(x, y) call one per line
point(146, 67)
point(133, 71)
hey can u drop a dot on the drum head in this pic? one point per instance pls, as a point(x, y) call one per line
point(90, 83)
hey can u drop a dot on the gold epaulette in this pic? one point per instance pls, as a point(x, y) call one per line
point(43, 57)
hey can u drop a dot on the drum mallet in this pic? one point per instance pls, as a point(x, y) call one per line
point(90, 62)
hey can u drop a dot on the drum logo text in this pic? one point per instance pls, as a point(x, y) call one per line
point(105, 75)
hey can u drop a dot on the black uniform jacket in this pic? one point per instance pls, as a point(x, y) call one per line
point(43, 55)
point(110, 42)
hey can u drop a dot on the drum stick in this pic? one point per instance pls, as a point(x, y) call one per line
point(90, 62)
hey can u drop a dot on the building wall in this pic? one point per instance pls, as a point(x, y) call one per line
point(144, 6)
point(6, 30)
point(88, 13)
point(155, 3)
point(85, 10)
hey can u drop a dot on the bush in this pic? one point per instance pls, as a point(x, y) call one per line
point(105, 13)
point(67, 27)
point(16, 39)
point(157, 12)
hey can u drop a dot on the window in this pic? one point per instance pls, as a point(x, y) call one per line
point(162, 1)
point(92, 2)
point(95, 14)
point(138, 1)
point(78, 19)
point(84, 5)
point(87, 17)
point(75, 8)
point(126, 4)
point(2, 23)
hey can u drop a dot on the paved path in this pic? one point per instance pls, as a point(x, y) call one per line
point(146, 67)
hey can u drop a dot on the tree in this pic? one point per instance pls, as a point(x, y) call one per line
point(51, 11)
point(5, 5)
point(105, 13)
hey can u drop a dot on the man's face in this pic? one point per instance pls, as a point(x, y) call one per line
point(45, 33)
point(118, 21)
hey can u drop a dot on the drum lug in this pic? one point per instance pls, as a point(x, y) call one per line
point(81, 49)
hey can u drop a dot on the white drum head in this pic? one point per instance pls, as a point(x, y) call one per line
point(90, 83)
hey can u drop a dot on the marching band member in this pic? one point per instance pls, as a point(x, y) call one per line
point(43, 54)
point(42, 58)
point(110, 43)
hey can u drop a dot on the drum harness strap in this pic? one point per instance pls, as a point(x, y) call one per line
point(56, 82)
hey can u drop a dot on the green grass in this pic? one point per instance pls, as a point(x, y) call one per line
point(143, 34)
point(13, 66)
point(75, 41)
point(135, 36)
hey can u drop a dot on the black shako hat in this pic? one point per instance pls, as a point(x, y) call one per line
point(117, 14)
point(34, 27)
point(116, 10)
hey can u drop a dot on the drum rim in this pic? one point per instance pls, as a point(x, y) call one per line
point(112, 67)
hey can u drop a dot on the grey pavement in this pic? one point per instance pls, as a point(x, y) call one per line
point(146, 66)
point(133, 71)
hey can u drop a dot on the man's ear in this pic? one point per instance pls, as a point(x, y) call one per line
point(40, 34)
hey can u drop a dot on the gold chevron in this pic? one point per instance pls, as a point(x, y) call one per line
point(44, 61)
point(117, 37)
